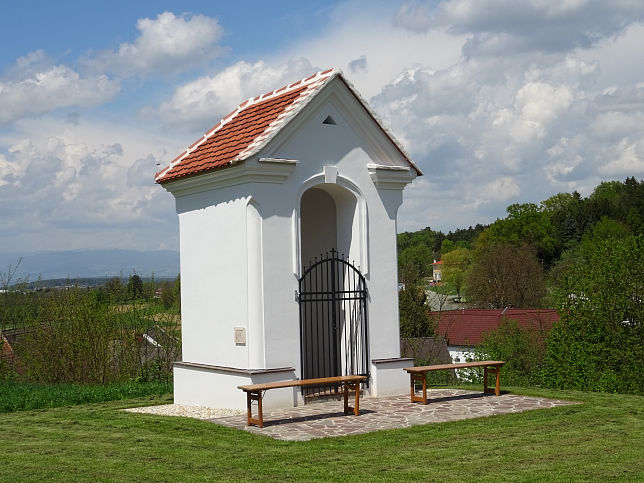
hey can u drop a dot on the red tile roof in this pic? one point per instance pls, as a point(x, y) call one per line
point(248, 128)
point(466, 327)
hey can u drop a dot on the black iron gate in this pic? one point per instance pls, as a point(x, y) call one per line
point(333, 321)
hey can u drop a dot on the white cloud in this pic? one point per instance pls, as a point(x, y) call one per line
point(33, 86)
point(415, 16)
point(357, 31)
point(10, 171)
point(85, 186)
point(620, 57)
point(168, 43)
point(358, 65)
point(628, 158)
point(500, 189)
point(489, 131)
point(203, 102)
point(537, 105)
point(502, 27)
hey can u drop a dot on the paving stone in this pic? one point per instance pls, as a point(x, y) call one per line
point(322, 419)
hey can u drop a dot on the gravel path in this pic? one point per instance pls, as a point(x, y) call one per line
point(197, 412)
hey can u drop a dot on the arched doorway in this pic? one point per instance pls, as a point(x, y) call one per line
point(329, 218)
point(332, 290)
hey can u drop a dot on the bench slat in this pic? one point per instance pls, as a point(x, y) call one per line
point(456, 365)
point(301, 382)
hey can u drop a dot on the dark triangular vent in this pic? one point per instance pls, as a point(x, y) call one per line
point(329, 120)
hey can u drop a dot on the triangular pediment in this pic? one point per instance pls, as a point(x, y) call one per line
point(259, 121)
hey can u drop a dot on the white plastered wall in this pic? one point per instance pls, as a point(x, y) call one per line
point(240, 257)
point(214, 285)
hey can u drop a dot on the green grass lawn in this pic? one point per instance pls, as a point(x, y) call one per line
point(21, 396)
point(598, 440)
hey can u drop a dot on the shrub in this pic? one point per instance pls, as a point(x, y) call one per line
point(522, 348)
point(78, 337)
point(597, 344)
point(414, 314)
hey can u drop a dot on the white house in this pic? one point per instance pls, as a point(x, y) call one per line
point(287, 214)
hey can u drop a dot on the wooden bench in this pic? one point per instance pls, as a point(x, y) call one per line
point(254, 392)
point(419, 374)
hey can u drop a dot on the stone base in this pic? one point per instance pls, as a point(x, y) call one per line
point(388, 377)
point(216, 386)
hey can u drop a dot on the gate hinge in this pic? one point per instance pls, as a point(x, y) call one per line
point(297, 296)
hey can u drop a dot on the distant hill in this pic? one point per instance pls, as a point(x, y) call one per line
point(77, 264)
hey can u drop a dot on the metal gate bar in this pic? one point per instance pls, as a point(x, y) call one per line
point(333, 321)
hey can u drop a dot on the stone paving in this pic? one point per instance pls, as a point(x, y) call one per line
point(326, 419)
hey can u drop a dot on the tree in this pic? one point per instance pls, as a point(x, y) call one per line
point(597, 344)
point(525, 224)
point(167, 294)
point(465, 237)
point(426, 236)
point(135, 287)
point(149, 288)
point(176, 291)
point(414, 314)
point(455, 266)
point(568, 217)
point(635, 222)
point(415, 263)
point(6, 278)
point(505, 275)
point(447, 246)
point(631, 202)
point(605, 229)
point(114, 288)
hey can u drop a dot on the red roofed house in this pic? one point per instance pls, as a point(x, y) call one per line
point(287, 213)
point(464, 329)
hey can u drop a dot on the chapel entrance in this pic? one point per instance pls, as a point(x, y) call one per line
point(332, 290)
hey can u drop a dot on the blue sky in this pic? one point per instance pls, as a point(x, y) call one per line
point(497, 101)
point(71, 28)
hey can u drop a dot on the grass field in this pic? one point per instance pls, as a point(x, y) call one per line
point(22, 396)
point(601, 439)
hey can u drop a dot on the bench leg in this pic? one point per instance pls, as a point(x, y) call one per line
point(345, 391)
point(356, 407)
point(354, 386)
point(412, 389)
point(425, 388)
point(250, 420)
point(494, 370)
point(422, 378)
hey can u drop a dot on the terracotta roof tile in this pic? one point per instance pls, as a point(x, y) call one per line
point(247, 129)
point(467, 327)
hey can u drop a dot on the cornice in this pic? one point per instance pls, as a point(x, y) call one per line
point(265, 170)
point(391, 177)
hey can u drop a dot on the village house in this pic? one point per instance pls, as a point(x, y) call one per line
point(464, 329)
point(437, 271)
